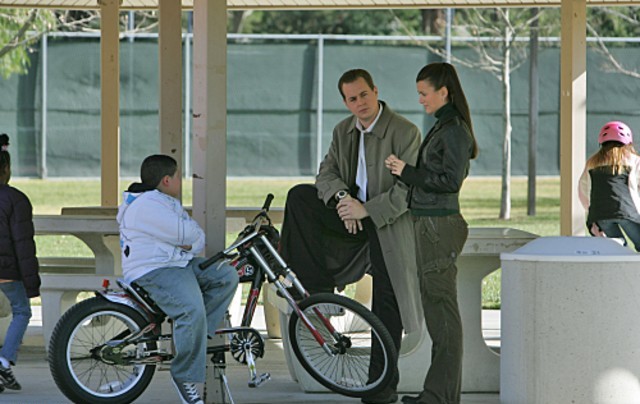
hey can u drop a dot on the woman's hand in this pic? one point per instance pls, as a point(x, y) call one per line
point(394, 164)
point(595, 230)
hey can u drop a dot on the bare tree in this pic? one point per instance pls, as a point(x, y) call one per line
point(614, 65)
point(494, 33)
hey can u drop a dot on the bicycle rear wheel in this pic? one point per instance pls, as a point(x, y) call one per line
point(343, 365)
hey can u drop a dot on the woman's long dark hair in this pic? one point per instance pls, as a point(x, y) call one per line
point(444, 75)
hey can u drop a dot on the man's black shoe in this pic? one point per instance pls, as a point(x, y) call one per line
point(381, 398)
point(293, 292)
point(411, 400)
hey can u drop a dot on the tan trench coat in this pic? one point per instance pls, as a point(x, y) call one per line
point(387, 206)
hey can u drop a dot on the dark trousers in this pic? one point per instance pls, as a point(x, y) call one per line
point(439, 241)
point(316, 245)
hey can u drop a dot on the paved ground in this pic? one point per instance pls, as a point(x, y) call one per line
point(38, 386)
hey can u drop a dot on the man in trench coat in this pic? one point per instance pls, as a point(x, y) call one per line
point(355, 219)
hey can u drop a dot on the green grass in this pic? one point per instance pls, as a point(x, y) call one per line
point(480, 201)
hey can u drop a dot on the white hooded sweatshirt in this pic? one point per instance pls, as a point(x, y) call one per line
point(153, 228)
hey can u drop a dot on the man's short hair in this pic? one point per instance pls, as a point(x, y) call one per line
point(352, 75)
point(155, 167)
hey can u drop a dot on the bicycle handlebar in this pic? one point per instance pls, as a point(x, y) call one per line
point(267, 203)
point(211, 260)
point(256, 222)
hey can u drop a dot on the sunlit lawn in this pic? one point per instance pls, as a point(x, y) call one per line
point(480, 201)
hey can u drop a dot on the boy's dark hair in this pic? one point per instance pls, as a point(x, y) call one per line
point(5, 157)
point(352, 75)
point(155, 167)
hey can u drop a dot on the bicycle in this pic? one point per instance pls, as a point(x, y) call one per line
point(106, 349)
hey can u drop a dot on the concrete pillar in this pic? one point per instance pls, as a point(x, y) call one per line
point(170, 54)
point(573, 113)
point(210, 119)
point(110, 102)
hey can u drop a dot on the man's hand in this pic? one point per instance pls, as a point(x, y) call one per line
point(394, 164)
point(350, 208)
point(353, 225)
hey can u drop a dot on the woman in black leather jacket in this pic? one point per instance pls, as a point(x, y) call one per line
point(440, 229)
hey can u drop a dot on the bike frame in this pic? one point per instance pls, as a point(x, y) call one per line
point(280, 278)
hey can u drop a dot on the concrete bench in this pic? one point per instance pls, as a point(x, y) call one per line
point(60, 291)
point(67, 265)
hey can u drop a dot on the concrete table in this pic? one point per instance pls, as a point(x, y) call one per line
point(481, 365)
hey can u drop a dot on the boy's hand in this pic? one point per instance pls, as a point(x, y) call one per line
point(185, 247)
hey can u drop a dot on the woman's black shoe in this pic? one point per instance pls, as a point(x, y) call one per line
point(385, 397)
point(411, 400)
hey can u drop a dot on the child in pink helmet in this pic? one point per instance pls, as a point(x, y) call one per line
point(608, 187)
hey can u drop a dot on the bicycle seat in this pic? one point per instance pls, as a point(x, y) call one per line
point(141, 295)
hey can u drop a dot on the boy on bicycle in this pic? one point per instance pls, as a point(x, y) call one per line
point(159, 243)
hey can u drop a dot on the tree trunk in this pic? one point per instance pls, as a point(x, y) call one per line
point(432, 21)
point(237, 20)
point(505, 201)
point(533, 113)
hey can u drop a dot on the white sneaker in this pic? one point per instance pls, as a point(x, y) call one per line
point(188, 392)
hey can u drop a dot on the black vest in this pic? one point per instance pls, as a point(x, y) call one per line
point(610, 196)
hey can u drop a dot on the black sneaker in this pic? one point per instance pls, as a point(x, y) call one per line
point(188, 392)
point(293, 292)
point(8, 379)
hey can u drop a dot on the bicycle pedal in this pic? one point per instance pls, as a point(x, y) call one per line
point(256, 382)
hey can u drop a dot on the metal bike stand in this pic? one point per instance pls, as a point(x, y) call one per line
point(222, 384)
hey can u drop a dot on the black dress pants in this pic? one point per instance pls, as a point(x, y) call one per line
point(317, 246)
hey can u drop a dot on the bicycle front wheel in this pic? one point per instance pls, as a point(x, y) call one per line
point(351, 334)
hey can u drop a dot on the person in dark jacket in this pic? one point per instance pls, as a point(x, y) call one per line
point(440, 230)
point(19, 279)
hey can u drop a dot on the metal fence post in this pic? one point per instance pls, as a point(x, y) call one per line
point(320, 105)
point(43, 121)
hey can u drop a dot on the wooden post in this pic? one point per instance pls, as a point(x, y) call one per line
point(573, 113)
point(210, 137)
point(170, 55)
point(110, 102)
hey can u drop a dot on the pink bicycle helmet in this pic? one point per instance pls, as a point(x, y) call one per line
point(615, 131)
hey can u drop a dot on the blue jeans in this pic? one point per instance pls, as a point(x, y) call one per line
point(196, 301)
point(21, 311)
point(611, 227)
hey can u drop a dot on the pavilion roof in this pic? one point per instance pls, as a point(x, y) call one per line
point(311, 4)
